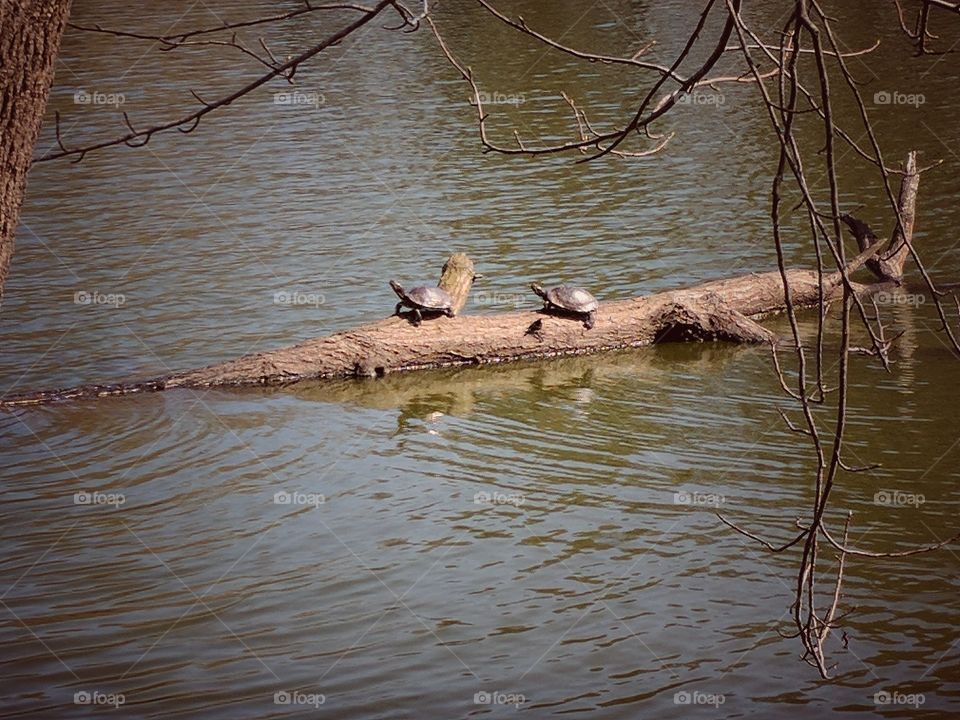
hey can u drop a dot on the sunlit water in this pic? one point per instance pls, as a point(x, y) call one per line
point(543, 533)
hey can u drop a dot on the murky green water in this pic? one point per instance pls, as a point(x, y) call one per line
point(583, 585)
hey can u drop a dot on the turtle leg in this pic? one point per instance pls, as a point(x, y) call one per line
point(417, 317)
point(396, 310)
point(590, 319)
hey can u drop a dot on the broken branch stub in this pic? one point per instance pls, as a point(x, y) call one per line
point(888, 265)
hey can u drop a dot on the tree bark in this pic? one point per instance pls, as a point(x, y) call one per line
point(30, 32)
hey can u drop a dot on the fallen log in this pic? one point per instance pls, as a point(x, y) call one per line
point(719, 310)
point(725, 310)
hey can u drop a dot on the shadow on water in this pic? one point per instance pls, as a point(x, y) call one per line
point(423, 394)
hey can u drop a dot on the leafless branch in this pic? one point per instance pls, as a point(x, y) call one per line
point(175, 39)
point(189, 122)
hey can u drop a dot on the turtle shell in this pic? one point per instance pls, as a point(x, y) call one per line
point(430, 298)
point(574, 299)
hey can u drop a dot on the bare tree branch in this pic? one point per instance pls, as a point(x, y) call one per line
point(189, 123)
point(175, 39)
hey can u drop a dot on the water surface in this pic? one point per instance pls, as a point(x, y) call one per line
point(587, 585)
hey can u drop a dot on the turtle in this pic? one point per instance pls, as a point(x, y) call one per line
point(422, 300)
point(568, 300)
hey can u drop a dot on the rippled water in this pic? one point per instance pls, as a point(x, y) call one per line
point(585, 584)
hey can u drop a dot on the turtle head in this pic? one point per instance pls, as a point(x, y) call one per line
point(538, 289)
point(397, 288)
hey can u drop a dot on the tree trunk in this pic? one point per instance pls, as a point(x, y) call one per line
point(30, 32)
